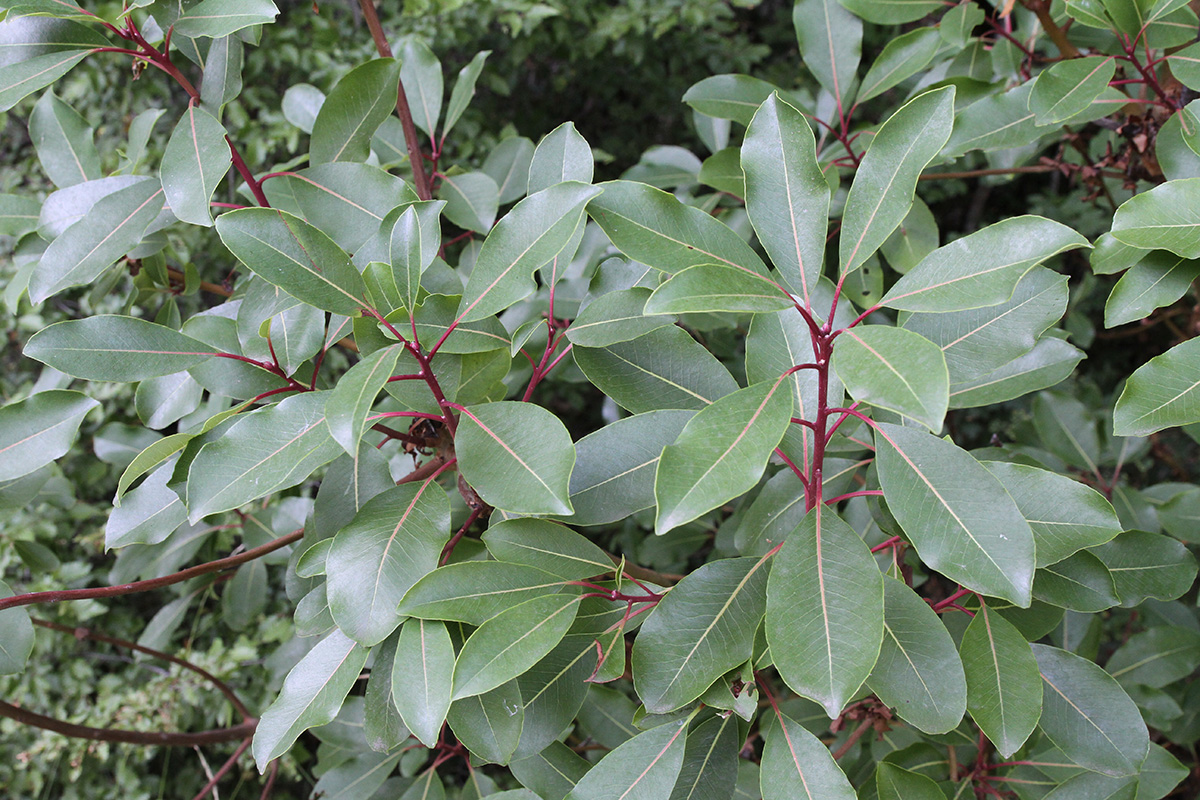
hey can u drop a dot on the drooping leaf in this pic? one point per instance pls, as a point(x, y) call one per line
point(475, 591)
point(422, 677)
point(464, 90)
point(734, 97)
point(561, 155)
point(312, 694)
point(196, 159)
point(1162, 393)
point(643, 768)
point(959, 518)
point(796, 766)
point(1004, 694)
point(830, 40)
point(825, 610)
point(217, 18)
point(358, 104)
point(39, 429)
point(393, 541)
point(919, 673)
point(700, 630)
point(883, 186)
point(63, 141)
point(721, 453)
point(351, 399)
point(547, 546)
point(115, 348)
point(896, 369)
point(901, 58)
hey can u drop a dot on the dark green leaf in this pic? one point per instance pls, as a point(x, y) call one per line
point(351, 400)
point(734, 97)
point(561, 155)
point(475, 591)
point(894, 783)
point(196, 159)
point(422, 677)
point(1069, 87)
point(1080, 583)
point(1003, 691)
point(217, 18)
point(830, 40)
point(896, 369)
point(796, 766)
point(902, 57)
point(643, 768)
point(115, 348)
point(489, 724)
point(1157, 280)
point(717, 287)
point(547, 546)
point(1164, 218)
point(421, 75)
point(1146, 565)
point(464, 90)
point(472, 200)
point(615, 317)
point(358, 104)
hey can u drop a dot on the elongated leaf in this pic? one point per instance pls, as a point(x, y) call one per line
point(830, 39)
point(393, 541)
point(616, 317)
point(717, 287)
point(1144, 564)
point(67, 206)
point(1003, 694)
point(894, 783)
point(116, 348)
point(710, 764)
point(653, 227)
point(517, 456)
point(1079, 582)
point(312, 694)
point(983, 268)
point(995, 122)
point(1069, 87)
point(1156, 657)
point(511, 642)
point(196, 159)
point(1164, 218)
point(23, 78)
point(703, 628)
point(464, 90)
point(422, 677)
point(548, 546)
point(1088, 715)
point(222, 81)
point(18, 214)
point(561, 155)
point(16, 636)
point(533, 233)
point(787, 196)
point(351, 400)
point(883, 187)
point(25, 37)
point(918, 672)
point(472, 200)
point(958, 517)
point(217, 18)
point(902, 57)
point(475, 591)
point(796, 766)
point(64, 142)
point(489, 724)
point(734, 97)
point(293, 255)
point(1157, 280)
point(39, 429)
point(891, 12)
point(825, 610)
point(1049, 362)
point(1162, 393)
point(421, 75)
point(358, 104)
point(109, 230)
point(148, 515)
point(721, 453)
point(264, 451)
point(643, 768)
point(896, 369)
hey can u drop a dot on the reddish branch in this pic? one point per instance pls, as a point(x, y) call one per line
point(162, 738)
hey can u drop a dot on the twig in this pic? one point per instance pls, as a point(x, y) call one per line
point(119, 735)
point(212, 782)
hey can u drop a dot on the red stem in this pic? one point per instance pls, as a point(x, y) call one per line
point(215, 779)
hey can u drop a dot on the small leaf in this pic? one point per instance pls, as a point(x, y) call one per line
point(508, 166)
point(796, 766)
point(421, 75)
point(196, 159)
point(883, 186)
point(39, 429)
point(422, 677)
point(643, 768)
point(464, 90)
point(114, 348)
point(825, 610)
point(489, 724)
point(358, 104)
point(312, 694)
point(351, 399)
point(700, 630)
point(561, 155)
point(1003, 692)
point(894, 783)
point(896, 369)
point(547, 546)
point(721, 453)
point(1162, 393)
point(218, 18)
point(16, 636)
point(1069, 87)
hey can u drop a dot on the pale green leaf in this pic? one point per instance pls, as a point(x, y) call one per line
point(422, 675)
point(1003, 691)
point(115, 348)
point(196, 159)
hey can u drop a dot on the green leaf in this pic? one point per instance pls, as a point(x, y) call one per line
point(1157, 280)
point(616, 317)
point(894, 783)
point(717, 287)
point(883, 186)
point(830, 40)
point(896, 369)
point(421, 75)
point(18, 214)
point(561, 155)
point(422, 677)
point(351, 399)
point(643, 768)
point(196, 159)
point(721, 453)
point(25, 37)
point(1065, 515)
point(1049, 362)
point(901, 58)
point(1003, 691)
point(115, 348)
point(700, 630)
point(710, 763)
point(109, 230)
point(360, 776)
point(547, 546)
point(533, 233)
point(1069, 87)
point(148, 514)
point(1088, 715)
point(222, 81)
point(919, 673)
point(358, 104)
point(891, 12)
point(825, 610)
point(475, 591)
point(517, 456)
point(1161, 393)
point(983, 268)
point(266, 450)
point(217, 18)
point(511, 642)
point(723, 171)
point(1156, 657)
point(615, 466)
point(1067, 430)
point(508, 166)
point(394, 540)
point(995, 122)
point(408, 258)
point(312, 694)
point(959, 518)
point(734, 97)
point(796, 766)
point(1164, 218)
point(553, 772)
point(655, 228)
point(665, 368)
point(16, 636)
point(489, 724)
point(64, 142)
point(293, 255)
point(24, 77)
point(464, 90)
point(472, 199)
point(1079, 582)
point(39, 429)
point(1146, 565)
